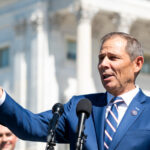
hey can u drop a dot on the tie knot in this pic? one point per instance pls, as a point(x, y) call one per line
point(117, 100)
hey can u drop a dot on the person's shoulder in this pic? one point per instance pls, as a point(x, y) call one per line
point(143, 96)
point(146, 93)
point(97, 99)
point(93, 97)
point(88, 96)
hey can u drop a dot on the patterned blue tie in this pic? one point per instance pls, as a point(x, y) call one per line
point(111, 122)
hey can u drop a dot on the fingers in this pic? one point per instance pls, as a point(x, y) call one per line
point(1, 92)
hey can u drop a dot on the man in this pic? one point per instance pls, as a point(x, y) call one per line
point(120, 61)
point(7, 139)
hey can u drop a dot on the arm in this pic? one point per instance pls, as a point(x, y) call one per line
point(27, 125)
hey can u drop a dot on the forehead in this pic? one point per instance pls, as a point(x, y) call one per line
point(114, 45)
point(4, 129)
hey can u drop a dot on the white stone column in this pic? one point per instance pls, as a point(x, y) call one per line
point(125, 22)
point(19, 69)
point(44, 87)
point(43, 65)
point(84, 53)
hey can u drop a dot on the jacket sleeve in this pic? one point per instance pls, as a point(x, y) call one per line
point(34, 127)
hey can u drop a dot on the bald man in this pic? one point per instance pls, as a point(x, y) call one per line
point(7, 139)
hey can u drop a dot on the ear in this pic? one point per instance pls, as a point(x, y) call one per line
point(138, 63)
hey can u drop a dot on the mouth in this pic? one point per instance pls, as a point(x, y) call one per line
point(106, 76)
point(5, 145)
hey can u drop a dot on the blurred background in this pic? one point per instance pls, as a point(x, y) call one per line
point(49, 48)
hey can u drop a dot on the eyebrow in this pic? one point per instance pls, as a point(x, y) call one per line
point(101, 54)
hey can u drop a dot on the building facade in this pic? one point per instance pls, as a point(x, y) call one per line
point(49, 48)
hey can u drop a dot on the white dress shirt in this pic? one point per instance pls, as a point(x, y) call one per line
point(127, 97)
point(2, 99)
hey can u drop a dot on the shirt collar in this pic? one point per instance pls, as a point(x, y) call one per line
point(127, 97)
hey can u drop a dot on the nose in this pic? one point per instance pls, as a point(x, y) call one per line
point(4, 138)
point(104, 64)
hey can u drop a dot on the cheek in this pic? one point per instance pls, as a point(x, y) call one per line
point(10, 139)
point(120, 72)
point(99, 67)
point(13, 140)
point(126, 73)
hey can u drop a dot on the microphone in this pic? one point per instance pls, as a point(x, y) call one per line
point(83, 111)
point(57, 111)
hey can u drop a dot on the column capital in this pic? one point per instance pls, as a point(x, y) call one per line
point(37, 20)
point(125, 22)
point(84, 13)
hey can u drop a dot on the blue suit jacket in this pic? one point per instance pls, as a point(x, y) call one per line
point(133, 132)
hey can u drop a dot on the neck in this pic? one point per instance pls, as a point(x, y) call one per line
point(120, 92)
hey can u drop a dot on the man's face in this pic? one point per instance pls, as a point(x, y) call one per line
point(7, 139)
point(116, 69)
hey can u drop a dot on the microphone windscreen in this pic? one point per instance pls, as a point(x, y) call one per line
point(84, 106)
point(58, 108)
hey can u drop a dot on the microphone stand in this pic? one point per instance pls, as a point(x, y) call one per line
point(83, 111)
point(57, 111)
point(80, 142)
point(81, 138)
point(51, 141)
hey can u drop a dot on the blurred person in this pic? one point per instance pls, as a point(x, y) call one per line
point(7, 139)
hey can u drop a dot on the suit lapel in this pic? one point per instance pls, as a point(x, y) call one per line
point(133, 112)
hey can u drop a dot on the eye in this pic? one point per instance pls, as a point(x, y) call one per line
point(8, 134)
point(101, 57)
point(113, 57)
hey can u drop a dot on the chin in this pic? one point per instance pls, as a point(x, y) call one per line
point(110, 89)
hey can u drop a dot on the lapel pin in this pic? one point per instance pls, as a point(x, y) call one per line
point(134, 112)
point(137, 108)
